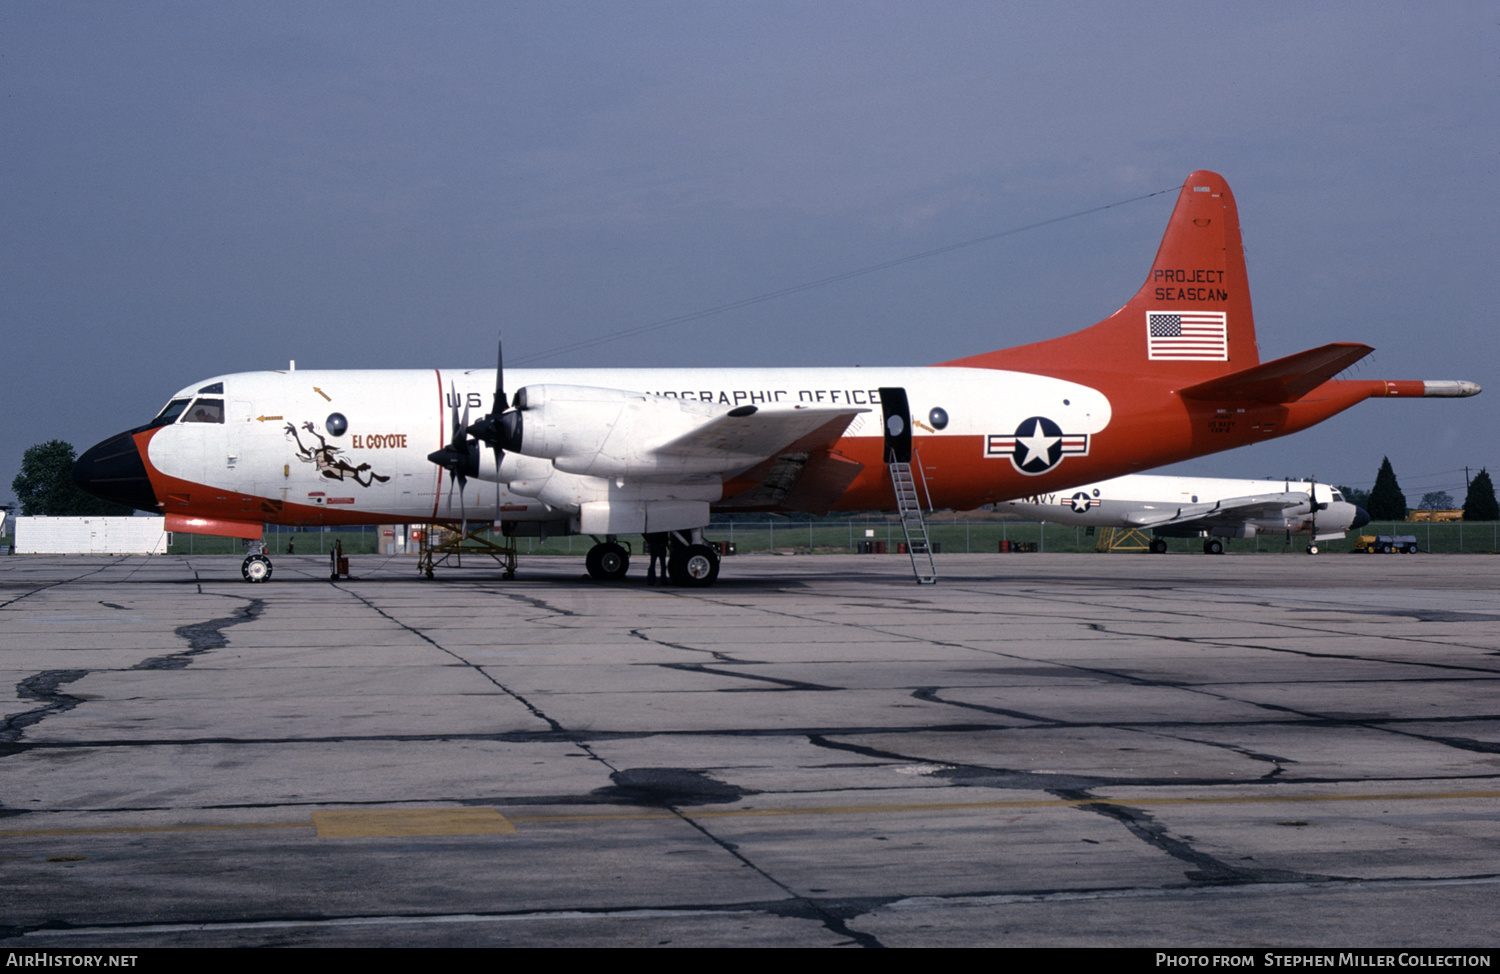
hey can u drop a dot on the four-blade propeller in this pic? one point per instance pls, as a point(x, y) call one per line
point(499, 428)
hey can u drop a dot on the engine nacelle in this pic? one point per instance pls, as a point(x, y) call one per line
point(613, 433)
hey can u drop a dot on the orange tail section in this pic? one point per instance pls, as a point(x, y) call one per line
point(1190, 322)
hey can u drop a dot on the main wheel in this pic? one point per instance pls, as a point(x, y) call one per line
point(1213, 546)
point(1312, 549)
point(695, 565)
point(1158, 546)
point(607, 562)
point(256, 568)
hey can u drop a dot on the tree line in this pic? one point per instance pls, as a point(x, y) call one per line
point(1386, 502)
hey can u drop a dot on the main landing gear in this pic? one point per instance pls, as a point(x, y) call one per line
point(693, 565)
point(1213, 546)
point(256, 567)
point(607, 561)
point(690, 563)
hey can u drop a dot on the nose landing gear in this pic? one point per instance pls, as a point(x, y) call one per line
point(257, 566)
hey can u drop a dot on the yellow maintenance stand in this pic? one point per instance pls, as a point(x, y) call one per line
point(441, 543)
point(1122, 539)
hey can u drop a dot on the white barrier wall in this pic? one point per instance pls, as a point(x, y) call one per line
point(91, 536)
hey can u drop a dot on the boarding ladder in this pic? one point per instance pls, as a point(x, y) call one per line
point(912, 524)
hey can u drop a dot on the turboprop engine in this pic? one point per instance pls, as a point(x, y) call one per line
point(614, 433)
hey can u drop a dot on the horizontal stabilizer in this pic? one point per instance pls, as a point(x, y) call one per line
point(1284, 380)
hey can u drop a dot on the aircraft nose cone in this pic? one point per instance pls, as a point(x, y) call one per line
point(1361, 518)
point(115, 471)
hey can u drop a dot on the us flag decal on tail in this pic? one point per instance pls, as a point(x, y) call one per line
point(1201, 336)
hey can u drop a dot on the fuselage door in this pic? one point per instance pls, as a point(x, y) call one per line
point(897, 415)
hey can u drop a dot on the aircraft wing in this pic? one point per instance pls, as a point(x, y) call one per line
point(804, 474)
point(762, 433)
point(1231, 512)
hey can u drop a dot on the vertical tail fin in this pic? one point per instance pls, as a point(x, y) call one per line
point(1191, 319)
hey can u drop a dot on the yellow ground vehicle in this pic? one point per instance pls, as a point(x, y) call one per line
point(1386, 543)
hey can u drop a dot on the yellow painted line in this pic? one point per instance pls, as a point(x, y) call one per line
point(488, 821)
point(362, 823)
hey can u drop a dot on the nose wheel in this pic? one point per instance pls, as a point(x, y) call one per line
point(256, 568)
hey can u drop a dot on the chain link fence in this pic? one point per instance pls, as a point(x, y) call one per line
point(845, 536)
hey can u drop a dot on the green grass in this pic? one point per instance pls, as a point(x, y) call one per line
point(356, 542)
point(840, 537)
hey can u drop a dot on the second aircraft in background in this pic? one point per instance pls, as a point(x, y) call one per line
point(1189, 507)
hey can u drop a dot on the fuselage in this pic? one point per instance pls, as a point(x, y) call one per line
point(343, 447)
point(352, 447)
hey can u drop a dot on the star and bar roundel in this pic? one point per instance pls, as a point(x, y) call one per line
point(1037, 445)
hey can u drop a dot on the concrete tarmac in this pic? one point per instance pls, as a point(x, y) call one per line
point(1095, 750)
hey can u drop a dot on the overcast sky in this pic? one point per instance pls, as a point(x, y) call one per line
point(192, 189)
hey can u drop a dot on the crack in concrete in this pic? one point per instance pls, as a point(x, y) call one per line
point(1207, 869)
point(45, 688)
point(796, 909)
point(722, 657)
point(531, 708)
point(42, 588)
point(1076, 789)
point(202, 637)
point(779, 683)
point(930, 695)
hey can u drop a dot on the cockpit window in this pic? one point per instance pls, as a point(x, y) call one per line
point(205, 411)
point(1337, 496)
point(215, 389)
point(170, 412)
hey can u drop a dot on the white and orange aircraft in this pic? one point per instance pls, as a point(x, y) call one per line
point(1200, 507)
point(1174, 374)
